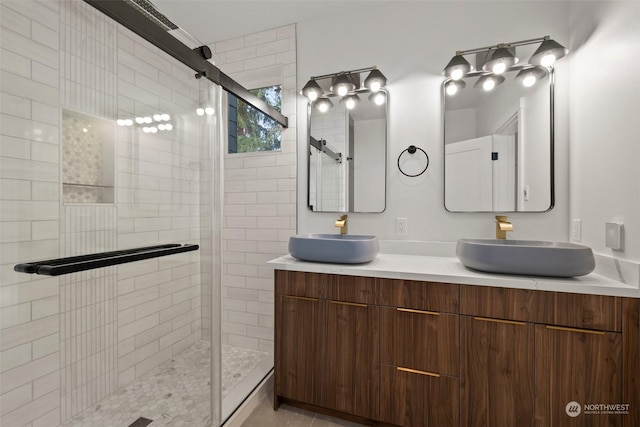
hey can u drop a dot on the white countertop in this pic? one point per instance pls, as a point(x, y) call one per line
point(451, 270)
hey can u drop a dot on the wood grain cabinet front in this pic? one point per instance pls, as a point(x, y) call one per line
point(421, 354)
point(581, 366)
point(299, 352)
point(497, 372)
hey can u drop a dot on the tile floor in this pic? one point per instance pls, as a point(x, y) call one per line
point(265, 416)
point(175, 393)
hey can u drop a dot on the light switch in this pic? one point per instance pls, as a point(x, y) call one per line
point(614, 236)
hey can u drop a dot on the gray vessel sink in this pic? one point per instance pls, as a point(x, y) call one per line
point(526, 257)
point(334, 248)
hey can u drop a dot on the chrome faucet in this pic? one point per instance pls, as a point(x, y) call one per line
point(502, 226)
point(342, 223)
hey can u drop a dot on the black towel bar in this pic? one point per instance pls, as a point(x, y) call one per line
point(59, 266)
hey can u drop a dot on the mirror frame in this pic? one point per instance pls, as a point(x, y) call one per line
point(552, 195)
point(386, 153)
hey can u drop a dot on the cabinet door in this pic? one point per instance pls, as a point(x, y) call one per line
point(299, 357)
point(497, 372)
point(352, 364)
point(412, 398)
point(577, 365)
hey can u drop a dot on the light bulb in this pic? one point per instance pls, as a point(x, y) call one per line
point(529, 81)
point(166, 117)
point(161, 126)
point(146, 129)
point(157, 117)
point(342, 90)
point(139, 120)
point(120, 122)
point(148, 119)
point(209, 111)
point(128, 122)
point(168, 126)
point(379, 99)
point(350, 104)
point(200, 111)
point(85, 130)
point(548, 60)
point(452, 89)
point(323, 108)
point(375, 86)
point(153, 129)
point(488, 84)
point(457, 74)
point(312, 96)
point(499, 68)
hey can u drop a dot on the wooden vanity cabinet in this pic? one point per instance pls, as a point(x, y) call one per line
point(327, 351)
point(411, 353)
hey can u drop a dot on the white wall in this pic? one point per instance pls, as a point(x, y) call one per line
point(605, 108)
point(414, 43)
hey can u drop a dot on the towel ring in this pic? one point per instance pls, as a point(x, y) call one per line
point(411, 150)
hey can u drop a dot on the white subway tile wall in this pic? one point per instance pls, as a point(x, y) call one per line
point(67, 342)
point(260, 191)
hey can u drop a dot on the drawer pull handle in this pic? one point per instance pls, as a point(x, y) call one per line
point(582, 331)
point(349, 303)
point(407, 310)
point(509, 322)
point(302, 298)
point(415, 371)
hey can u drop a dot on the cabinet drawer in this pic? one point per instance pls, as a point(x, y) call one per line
point(351, 289)
point(432, 296)
point(418, 399)
point(298, 283)
point(423, 340)
point(564, 309)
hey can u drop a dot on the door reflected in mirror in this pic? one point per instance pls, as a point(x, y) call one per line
point(498, 146)
point(348, 155)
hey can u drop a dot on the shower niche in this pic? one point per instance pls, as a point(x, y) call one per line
point(88, 158)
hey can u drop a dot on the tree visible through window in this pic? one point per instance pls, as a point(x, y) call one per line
point(249, 129)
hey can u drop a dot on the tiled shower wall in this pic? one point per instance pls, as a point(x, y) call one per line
point(67, 342)
point(260, 191)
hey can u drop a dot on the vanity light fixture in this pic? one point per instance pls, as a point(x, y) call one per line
point(350, 101)
point(375, 80)
point(452, 87)
point(529, 76)
point(489, 82)
point(548, 53)
point(341, 85)
point(346, 85)
point(457, 67)
point(323, 104)
point(378, 98)
point(502, 58)
point(311, 90)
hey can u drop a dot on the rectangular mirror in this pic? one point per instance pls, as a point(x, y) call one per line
point(348, 156)
point(498, 146)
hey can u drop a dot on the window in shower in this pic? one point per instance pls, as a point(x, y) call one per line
point(249, 129)
point(87, 158)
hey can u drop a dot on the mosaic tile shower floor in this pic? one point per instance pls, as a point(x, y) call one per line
point(175, 393)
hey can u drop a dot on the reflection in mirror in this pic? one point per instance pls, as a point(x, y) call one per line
point(347, 155)
point(498, 144)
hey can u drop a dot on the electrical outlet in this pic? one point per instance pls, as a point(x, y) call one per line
point(576, 230)
point(401, 226)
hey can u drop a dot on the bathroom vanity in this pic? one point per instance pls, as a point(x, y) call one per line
point(422, 341)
